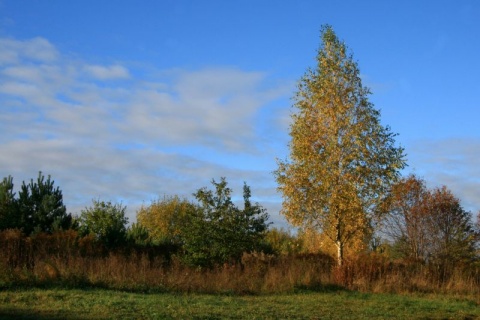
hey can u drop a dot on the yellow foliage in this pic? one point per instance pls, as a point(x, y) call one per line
point(163, 218)
point(342, 160)
point(283, 242)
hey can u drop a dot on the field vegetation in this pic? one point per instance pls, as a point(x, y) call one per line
point(107, 304)
point(68, 260)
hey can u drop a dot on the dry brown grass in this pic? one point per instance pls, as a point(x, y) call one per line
point(65, 259)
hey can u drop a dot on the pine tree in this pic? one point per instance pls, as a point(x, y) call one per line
point(41, 207)
point(9, 217)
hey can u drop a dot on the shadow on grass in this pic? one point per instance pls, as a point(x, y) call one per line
point(321, 288)
point(62, 285)
point(25, 314)
point(145, 289)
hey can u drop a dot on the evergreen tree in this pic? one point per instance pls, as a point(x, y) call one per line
point(9, 217)
point(41, 207)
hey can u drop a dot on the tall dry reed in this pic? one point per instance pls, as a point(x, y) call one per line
point(66, 259)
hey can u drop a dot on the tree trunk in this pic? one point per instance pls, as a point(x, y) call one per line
point(339, 252)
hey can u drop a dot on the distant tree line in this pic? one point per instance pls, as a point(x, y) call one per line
point(427, 226)
point(212, 231)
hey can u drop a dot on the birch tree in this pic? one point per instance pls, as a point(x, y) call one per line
point(342, 160)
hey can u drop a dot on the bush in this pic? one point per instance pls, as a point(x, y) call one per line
point(218, 231)
point(106, 221)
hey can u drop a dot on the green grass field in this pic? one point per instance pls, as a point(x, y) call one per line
point(108, 304)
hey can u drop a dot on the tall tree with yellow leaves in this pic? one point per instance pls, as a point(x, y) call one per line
point(342, 160)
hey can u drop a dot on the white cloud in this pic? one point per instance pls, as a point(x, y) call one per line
point(19, 89)
point(104, 73)
point(211, 107)
point(132, 140)
point(36, 49)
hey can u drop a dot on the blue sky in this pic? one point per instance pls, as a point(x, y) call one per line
point(128, 101)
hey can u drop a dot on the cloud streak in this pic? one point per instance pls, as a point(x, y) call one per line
point(103, 133)
point(107, 72)
point(36, 49)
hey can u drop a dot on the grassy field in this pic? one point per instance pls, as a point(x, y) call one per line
point(108, 304)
